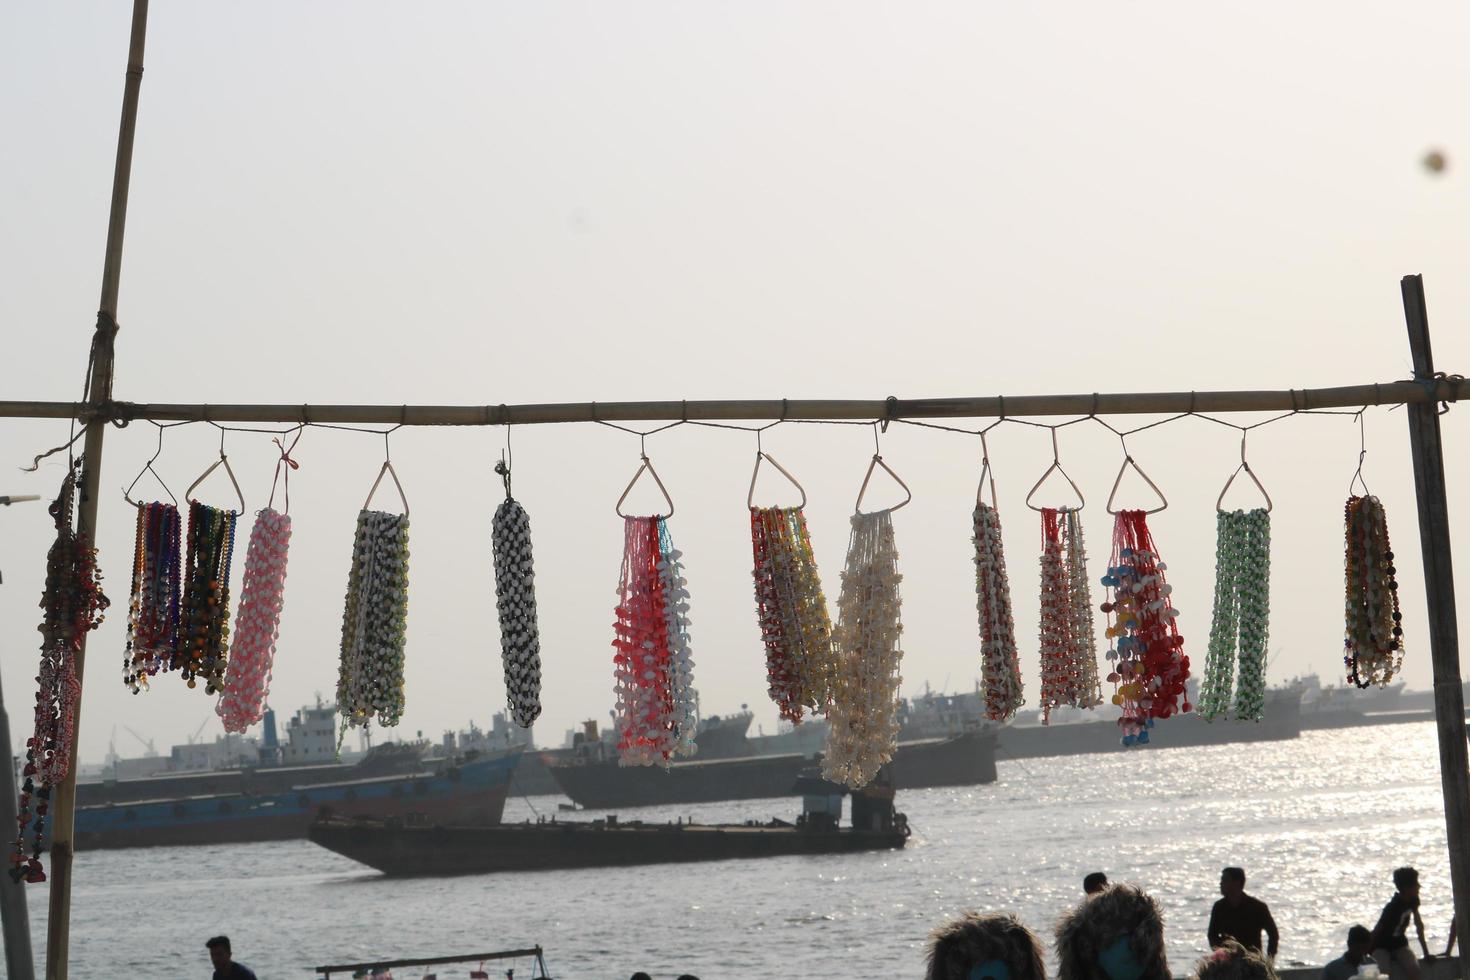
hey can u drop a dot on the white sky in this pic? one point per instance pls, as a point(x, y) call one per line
point(485, 203)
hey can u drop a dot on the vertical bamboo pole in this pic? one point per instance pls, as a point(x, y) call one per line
point(1439, 590)
point(99, 390)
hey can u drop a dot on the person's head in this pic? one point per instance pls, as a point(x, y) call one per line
point(1360, 942)
point(1094, 883)
point(687, 976)
point(1406, 880)
point(984, 947)
point(219, 952)
point(1117, 934)
point(1232, 961)
point(640, 975)
point(1232, 882)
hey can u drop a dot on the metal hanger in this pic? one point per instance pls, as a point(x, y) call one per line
point(148, 468)
point(1220, 501)
point(387, 468)
point(761, 454)
point(876, 462)
point(1056, 465)
point(1362, 454)
point(985, 472)
point(1127, 462)
point(648, 466)
point(229, 471)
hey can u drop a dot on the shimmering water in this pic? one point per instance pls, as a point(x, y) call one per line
point(1317, 823)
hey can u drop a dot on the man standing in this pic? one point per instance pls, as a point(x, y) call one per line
point(1241, 917)
point(1359, 945)
point(1390, 935)
point(226, 968)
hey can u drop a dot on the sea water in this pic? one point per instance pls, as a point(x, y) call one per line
point(1318, 824)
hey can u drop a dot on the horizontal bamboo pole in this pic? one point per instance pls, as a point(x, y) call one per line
point(989, 406)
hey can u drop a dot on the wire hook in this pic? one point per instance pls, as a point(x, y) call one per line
point(1128, 461)
point(1246, 467)
point(148, 468)
point(876, 462)
point(1056, 465)
point(648, 466)
point(761, 455)
point(985, 471)
point(1362, 454)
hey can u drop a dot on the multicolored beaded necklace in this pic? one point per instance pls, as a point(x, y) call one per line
point(792, 611)
point(153, 602)
point(1374, 640)
point(1000, 663)
point(204, 615)
point(1068, 644)
point(1149, 666)
point(1240, 620)
point(73, 603)
point(374, 623)
point(653, 667)
point(864, 724)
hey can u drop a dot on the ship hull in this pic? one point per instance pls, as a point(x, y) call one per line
point(471, 793)
point(449, 850)
point(965, 760)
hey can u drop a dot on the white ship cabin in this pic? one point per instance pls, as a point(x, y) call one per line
point(311, 736)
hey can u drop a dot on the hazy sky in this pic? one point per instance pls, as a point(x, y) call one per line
point(482, 203)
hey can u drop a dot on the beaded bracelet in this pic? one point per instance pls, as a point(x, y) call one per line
point(1150, 670)
point(153, 601)
point(1374, 640)
point(374, 623)
point(204, 612)
point(515, 605)
point(792, 611)
point(1000, 663)
point(1068, 644)
point(1239, 624)
point(73, 604)
point(652, 667)
point(257, 623)
point(863, 729)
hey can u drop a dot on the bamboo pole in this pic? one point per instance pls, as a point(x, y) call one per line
point(99, 392)
point(1439, 591)
point(987, 406)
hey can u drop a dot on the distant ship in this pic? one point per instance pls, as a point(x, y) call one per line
point(271, 801)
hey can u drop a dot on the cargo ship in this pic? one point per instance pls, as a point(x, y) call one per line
point(418, 847)
point(597, 781)
point(471, 791)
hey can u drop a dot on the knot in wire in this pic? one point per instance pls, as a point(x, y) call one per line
point(1430, 384)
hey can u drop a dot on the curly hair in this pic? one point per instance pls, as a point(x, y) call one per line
point(973, 938)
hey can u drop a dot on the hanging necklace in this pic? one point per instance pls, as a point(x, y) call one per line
point(515, 605)
point(375, 617)
point(1374, 641)
point(205, 605)
point(262, 597)
point(863, 723)
point(1240, 620)
point(653, 668)
point(790, 606)
point(73, 604)
point(1149, 666)
point(1068, 645)
point(153, 602)
point(1000, 662)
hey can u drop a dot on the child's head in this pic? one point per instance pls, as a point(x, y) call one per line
point(985, 947)
point(1117, 934)
point(1406, 880)
point(1232, 961)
